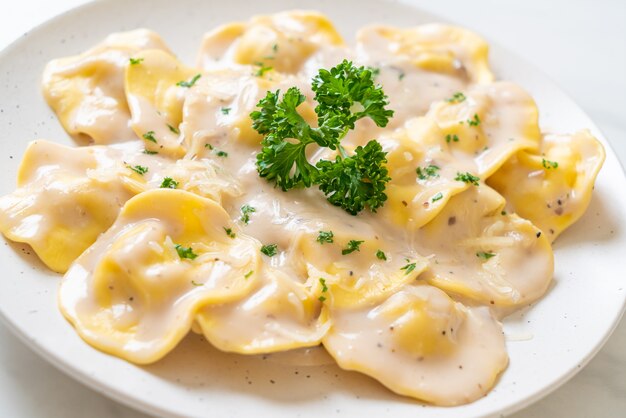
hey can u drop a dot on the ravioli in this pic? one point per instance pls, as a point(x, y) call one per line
point(420, 343)
point(279, 314)
point(552, 187)
point(62, 203)
point(484, 254)
point(282, 41)
point(354, 277)
point(134, 293)
point(87, 91)
point(433, 47)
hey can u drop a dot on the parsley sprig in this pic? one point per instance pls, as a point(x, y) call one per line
point(344, 94)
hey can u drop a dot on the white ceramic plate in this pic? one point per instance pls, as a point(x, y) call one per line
point(547, 344)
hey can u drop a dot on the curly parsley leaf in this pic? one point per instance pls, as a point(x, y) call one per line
point(344, 95)
point(357, 181)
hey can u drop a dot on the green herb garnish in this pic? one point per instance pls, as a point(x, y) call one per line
point(225, 110)
point(353, 245)
point(229, 232)
point(409, 267)
point(246, 210)
point(269, 250)
point(262, 69)
point(168, 183)
point(475, 121)
point(184, 252)
point(139, 169)
point(150, 136)
point(548, 165)
point(189, 83)
point(173, 129)
point(135, 61)
point(437, 197)
point(344, 95)
point(452, 138)
point(426, 172)
point(467, 178)
point(325, 236)
point(381, 255)
point(457, 97)
point(485, 255)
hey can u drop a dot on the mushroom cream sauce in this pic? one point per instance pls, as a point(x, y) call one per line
point(144, 218)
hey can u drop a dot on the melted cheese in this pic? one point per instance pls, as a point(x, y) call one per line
point(152, 233)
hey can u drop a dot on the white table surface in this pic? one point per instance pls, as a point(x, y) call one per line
point(581, 44)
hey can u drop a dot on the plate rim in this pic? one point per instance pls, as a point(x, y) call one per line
point(111, 392)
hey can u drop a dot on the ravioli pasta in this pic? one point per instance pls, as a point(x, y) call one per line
point(161, 224)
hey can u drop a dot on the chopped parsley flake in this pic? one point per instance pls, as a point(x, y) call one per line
point(184, 252)
point(323, 283)
point(135, 61)
point(475, 121)
point(189, 83)
point(401, 76)
point(150, 136)
point(353, 245)
point(262, 69)
point(246, 210)
point(229, 232)
point(426, 172)
point(148, 152)
point(168, 183)
point(325, 236)
point(457, 97)
point(503, 213)
point(485, 255)
point(139, 169)
point(322, 298)
point(193, 282)
point(467, 178)
point(437, 197)
point(223, 154)
point(452, 138)
point(173, 129)
point(209, 146)
point(248, 274)
point(408, 268)
point(270, 250)
point(381, 255)
point(547, 164)
point(225, 110)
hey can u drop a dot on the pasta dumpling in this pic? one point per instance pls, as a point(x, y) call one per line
point(420, 335)
point(552, 187)
point(282, 41)
point(134, 293)
point(87, 91)
point(484, 254)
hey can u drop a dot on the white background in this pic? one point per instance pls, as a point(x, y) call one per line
point(580, 44)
